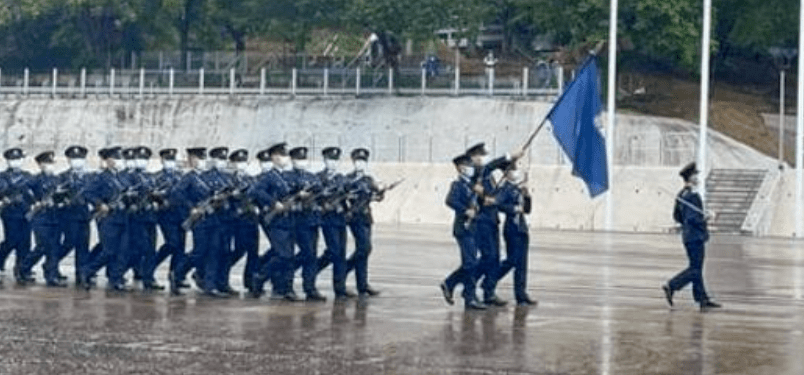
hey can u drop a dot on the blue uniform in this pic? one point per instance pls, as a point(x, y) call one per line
point(307, 218)
point(242, 237)
point(333, 227)
point(515, 204)
point(45, 225)
point(461, 198)
point(74, 218)
point(107, 189)
point(272, 187)
point(360, 222)
point(487, 235)
point(142, 227)
point(217, 260)
point(694, 235)
point(17, 229)
point(169, 220)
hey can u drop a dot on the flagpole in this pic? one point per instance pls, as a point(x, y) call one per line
point(611, 110)
point(800, 128)
point(704, 111)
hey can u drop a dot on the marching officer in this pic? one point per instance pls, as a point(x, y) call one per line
point(333, 220)
point(690, 214)
point(143, 228)
point(243, 236)
point(75, 216)
point(488, 221)
point(195, 191)
point(359, 219)
point(514, 201)
point(173, 213)
point(106, 193)
point(219, 179)
point(464, 201)
point(306, 215)
point(47, 196)
point(273, 192)
point(15, 200)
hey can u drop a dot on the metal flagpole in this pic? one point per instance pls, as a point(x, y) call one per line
point(704, 111)
point(800, 126)
point(611, 109)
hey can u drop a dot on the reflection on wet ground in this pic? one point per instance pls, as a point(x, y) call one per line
point(600, 312)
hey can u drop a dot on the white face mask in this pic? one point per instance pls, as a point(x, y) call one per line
point(282, 162)
point(241, 166)
point(142, 164)
point(78, 164)
point(48, 168)
point(169, 164)
point(266, 165)
point(114, 163)
point(330, 164)
point(220, 164)
point(468, 171)
point(130, 163)
point(15, 164)
point(301, 164)
point(361, 165)
point(201, 164)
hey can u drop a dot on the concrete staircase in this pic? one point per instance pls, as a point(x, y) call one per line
point(730, 193)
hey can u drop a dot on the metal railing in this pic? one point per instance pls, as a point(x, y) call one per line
point(144, 83)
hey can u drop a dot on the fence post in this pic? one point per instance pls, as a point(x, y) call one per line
point(262, 81)
point(525, 77)
point(142, 83)
point(326, 81)
point(55, 81)
point(357, 82)
point(232, 81)
point(170, 81)
point(424, 80)
point(457, 80)
point(1, 78)
point(560, 80)
point(491, 81)
point(27, 76)
point(201, 81)
point(83, 82)
point(294, 75)
point(189, 61)
point(111, 82)
point(390, 81)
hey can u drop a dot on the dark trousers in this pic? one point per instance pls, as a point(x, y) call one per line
point(110, 253)
point(335, 254)
point(47, 245)
point(75, 236)
point(487, 237)
point(175, 239)
point(142, 249)
point(281, 265)
point(243, 240)
point(516, 248)
point(693, 274)
point(307, 258)
point(17, 233)
point(205, 255)
point(361, 232)
point(466, 273)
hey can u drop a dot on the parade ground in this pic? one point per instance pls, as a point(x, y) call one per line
point(600, 311)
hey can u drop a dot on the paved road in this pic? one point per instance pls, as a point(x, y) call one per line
point(600, 312)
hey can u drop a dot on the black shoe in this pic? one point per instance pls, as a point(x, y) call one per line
point(494, 301)
point(668, 294)
point(255, 294)
point(197, 279)
point(56, 283)
point(228, 291)
point(371, 292)
point(152, 286)
point(526, 301)
point(706, 305)
point(119, 288)
point(291, 297)
point(213, 294)
point(61, 277)
point(447, 293)
point(345, 295)
point(474, 305)
point(316, 297)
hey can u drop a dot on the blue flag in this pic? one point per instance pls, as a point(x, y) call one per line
point(573, 119)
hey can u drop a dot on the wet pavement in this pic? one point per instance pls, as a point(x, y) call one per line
point(600, 312)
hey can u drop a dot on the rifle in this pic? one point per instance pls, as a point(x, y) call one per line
point(286, 203)
point(207, 207)
point(116, 204)
point(362, 205)
point(58, 197)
